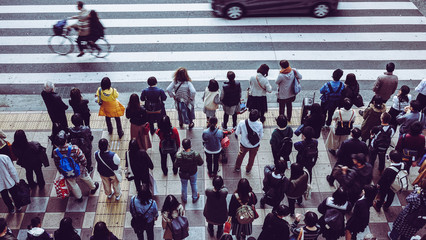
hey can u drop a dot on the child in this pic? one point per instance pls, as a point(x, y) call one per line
point(211, 99)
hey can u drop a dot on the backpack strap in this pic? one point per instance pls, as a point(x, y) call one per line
point(330, 88)
point(395, 169)
point(69, 151)
point(340, 87)
point(58, 153)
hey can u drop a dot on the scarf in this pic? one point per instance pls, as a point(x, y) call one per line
point(285, 70)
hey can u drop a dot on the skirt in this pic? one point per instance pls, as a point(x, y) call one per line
point(231, 110)
point(257, 102)
point(141, 135)
point(241, 229)
point(334, 141)
point(111, 109)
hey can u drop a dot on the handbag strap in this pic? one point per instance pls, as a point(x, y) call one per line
point(249, 130)
point(294, 73)
point(134, 207)
point(99, 155)
point(257, 79)
point(178, 87)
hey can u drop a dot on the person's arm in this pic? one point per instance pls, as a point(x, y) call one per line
point(322, 207)
point(143, 95)
point(116, 159)
point(148, 159)
point(127, 113)
point(268, 86)
point(421, 86)
point(170, 88)
point(279, 80)
point(61, 103)
point(163, 95)
point(199, 159)
point(11, 169)
point(298, 146)
point(398, 146)
point(176, 137)
point(401, 117)
point(260, 132)
point(81, 159)
point(323, 89)
point(217, 99)
point(114, 93)
point(233, 205)
point(178, 161)
point(298, 75)
point(377, 85)
point(192, 91)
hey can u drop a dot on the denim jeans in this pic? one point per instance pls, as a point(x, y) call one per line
point(193, 180)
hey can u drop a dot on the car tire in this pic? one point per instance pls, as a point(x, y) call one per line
point(321, 10)
point(234, 11)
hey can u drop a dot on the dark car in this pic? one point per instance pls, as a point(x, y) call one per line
point(235, 9)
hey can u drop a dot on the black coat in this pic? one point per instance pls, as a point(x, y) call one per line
point(30, 156)
point(273, 187)
point(56, 108)
point(349, 147)
point(140, 163)
point(80, 107)
point(82, 137)
point(274, 228)
point(360, 217)
point(231, 94)
point(316, 122)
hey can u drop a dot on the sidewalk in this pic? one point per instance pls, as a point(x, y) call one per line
point(97, 207)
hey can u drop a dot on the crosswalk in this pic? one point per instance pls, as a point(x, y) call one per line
point(152, 38)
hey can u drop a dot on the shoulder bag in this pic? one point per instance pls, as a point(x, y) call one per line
point(257, 79)
point(252, 136)
point(344, 127)
point(297, 87)
point(117, 172)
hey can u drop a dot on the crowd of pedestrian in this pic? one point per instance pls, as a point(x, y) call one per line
point(355, 150)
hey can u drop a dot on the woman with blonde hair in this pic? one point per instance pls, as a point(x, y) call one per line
point(183, 92)
point(110, 106)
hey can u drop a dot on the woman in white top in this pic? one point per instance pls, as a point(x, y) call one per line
point(421, 88)
point(259, 86)
point(400, 101)
point(344, 114)
point(8, 179)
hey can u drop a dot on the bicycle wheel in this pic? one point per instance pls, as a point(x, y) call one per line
point(105, 47)
point(61, 44)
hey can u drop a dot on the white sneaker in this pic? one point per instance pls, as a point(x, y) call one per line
point(110, 196)
point(118, 197)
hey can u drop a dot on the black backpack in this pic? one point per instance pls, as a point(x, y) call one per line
point(383, 139)
point(309, 155)
point(180, 228)
point(168, 145)
point(153, 106)
point(334, 219)
point(286, 146)
point(139, 221)
point(252, 136)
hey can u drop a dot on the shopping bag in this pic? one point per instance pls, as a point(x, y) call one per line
point(22, 194)
point(153, 185)
point(61, 187)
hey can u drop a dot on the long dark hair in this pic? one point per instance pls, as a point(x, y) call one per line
point(170, 204)
point(66, 227)
point(165, 126)
point(133, 150)
point(20, 139)
point(243, 189)
point(217, 184)
point(134, 103)
point(101, 232)
point(403, 97)
point(75, 95)
point(144, 194)
point(351, 80)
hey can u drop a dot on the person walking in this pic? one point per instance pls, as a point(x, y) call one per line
point(332, 95)
point(73, 153)
point(311, 230)
point(216, 208)
point(212, 147)
point(169, 143)
point(343, 120)
point(35, 232)
point(55, 108)
point(230, 97)
point(400, 102)
point(101, 231)
point(139, 125)
point(187, 161)
point(244, 195)
point(371, 116)
point(171, 210)
point(381, 137)
point(386, 84)
point(80, 105)
point(315, 119)
point(361, 213)
point(421, 97)
point(183, 92)
point(251, 132)
point(275, 184)
point(81, 136)
point(386, 195)
point(281, 136)
point(211, 99)
point(307, 150)
point(108, 164)
point(66, 230)
point(140, 163)
point(153, 98)
point(285, 84)
point(259, 86)
point(351, 90)
point(8, 180)
point(298, 184)
point(144, 211)
point(275, 227)
point(110, 106)
point(31, 156)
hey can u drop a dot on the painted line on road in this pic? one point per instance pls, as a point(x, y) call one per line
point(182, 7)
point(206, 56)
point(242, 38)
point(196, 75)
point(186, 22)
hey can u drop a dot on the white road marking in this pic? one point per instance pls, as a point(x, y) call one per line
point(204, 22)
point(240, 38)
point(196, 75)
point(181, 7)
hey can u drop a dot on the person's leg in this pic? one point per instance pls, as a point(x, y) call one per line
point(262, 116)
point(6, 199)
point(80, 46)
point(109, 124)
point(151, 120)
point(193, 180)
point(210, 229)
point(281, 105)
point(216, 163)
point(74, 188)
point(330, 114)
point(150, 231)
point(381, 195)
point(234, 120)
point(240, 157)
point(173, 158)
point(373, 156)
point(88, 181)
point(225, 120)
point(209, 160)
point(106, 182)
point(184, 183)
point(164, 163)
point(138, 183)
point(252, 156)
point(116, 186)
point(394, 234)
point(88, 155)
point(140, 235)
point(381, 161)
point(389, 199)
point(299, 200)
point(30, 176)
point(219, 230)
point(86, 120)
point(289, 105)
point(119, 127)
point(40, 178)
point(291, 203)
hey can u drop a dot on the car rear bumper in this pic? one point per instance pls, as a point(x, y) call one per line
point(217, 8)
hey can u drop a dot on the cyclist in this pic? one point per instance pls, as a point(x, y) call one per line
point(82, 26)
point(96, 30)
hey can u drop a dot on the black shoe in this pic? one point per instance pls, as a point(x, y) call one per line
point(12, 211)
point(80, 54)
point(79, 200)
point(96, 188)
point(110, 131)
point(262, 203)
point(32, 185)
point(330, 181)
point(191, 125)
point(332, 151)
point(196, 199)
point(224, 127)
point(120, 134)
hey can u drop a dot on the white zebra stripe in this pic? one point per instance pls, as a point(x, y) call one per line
point(240, 38)
point(209, 22)
point(182, 7)
point(206, 56)
point(196, 75)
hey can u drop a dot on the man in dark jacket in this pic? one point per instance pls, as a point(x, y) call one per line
point(6, 233)
point(380, 140)
point(275, 227)
point(187, 161)
point(354, 179)
point(275, 184)
point(153, 98)
point(277, 136)
point(55, 107)
point(349, 147)
point(81, 136)
point(332, 95)
point(385, 182)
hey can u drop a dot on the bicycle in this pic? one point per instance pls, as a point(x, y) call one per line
point(63, 44)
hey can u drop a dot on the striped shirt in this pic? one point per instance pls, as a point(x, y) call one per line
point(76, 154)
point(308, 234)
